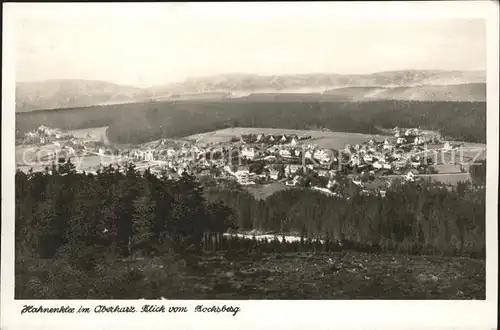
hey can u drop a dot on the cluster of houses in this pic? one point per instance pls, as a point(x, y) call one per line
point(288, 159)
point(43, 135)
point(293, 163)
point(292, 139)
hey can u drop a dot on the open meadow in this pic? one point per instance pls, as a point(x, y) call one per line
point(91, 134)
point(262, 191)
point(324, 139)
point(339, 276)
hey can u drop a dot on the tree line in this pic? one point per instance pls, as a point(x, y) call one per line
point(118, 208)
point(416, 218)
point(62, 211)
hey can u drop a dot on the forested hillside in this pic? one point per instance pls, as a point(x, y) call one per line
point(73, 233)
point(63, 209)
point(142, 122)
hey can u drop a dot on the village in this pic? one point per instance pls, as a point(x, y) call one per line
point(260, 159)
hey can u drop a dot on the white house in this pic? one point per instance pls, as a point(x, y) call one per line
point(170, 152)
point(348, 149)
point(180, 170)
point(293, 182)
point(415, 164)
point(400, 140)
point(270, 157)
point(447, 146)
point(293, 142)
point(321, 155)
point(248, 153)
point(355, 160)
point(244, 177)
point(283, 138)
point(357, 182)
point(397, 131)
point(419, 140)
point(148, 156)
point(323, 173)
point(273, 174)
point(285, 153)
point(368, 158)
point(331, 184)
point(308, 154)
point(410, 176)
point(292, 168)
point(399, 163)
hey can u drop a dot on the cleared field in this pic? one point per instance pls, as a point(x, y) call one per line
point(93, 133)
point(349, 275)
point(451, 179)
point(447, 168)
point(30, 154)
point(334, 140)
point(82, 163)
point(464, 155)
point(264, 191)
point(340, 140)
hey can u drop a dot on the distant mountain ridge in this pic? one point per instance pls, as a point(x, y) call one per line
point(433, 85)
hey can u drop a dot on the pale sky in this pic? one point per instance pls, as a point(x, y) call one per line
point(163, 43)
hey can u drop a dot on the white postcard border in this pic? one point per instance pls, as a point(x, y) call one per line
point(270, 313)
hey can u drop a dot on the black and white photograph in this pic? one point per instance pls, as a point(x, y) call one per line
point(249, 151)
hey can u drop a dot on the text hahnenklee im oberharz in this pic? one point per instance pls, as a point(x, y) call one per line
point(130, 309)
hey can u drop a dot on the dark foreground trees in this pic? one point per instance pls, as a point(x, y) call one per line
point(417, 218)
point(126, 210)
point(117, 207)
point(73, 230)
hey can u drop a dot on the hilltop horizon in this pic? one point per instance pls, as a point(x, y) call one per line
point(234, 74)
point(430, 85)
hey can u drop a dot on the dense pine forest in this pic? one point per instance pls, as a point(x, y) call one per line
point(72, 228)
point(142, 122)
point(116, 207)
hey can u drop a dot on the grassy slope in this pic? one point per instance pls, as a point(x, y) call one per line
point(348, 275)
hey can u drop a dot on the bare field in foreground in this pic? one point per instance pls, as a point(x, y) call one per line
point(341, 275)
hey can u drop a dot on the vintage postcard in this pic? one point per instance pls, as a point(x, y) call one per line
point(255, 165)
